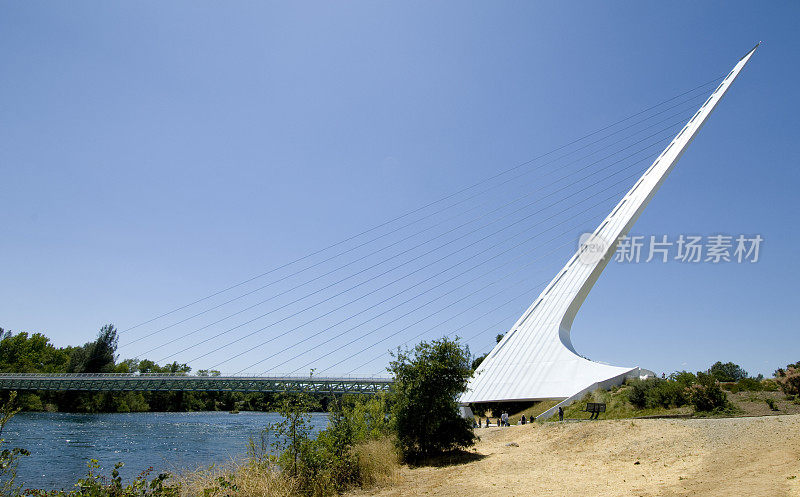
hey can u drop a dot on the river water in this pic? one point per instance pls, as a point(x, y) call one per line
point(62, 443)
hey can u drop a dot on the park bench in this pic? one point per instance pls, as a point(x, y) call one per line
point(595, 408)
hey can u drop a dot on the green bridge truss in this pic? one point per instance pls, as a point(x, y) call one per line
point(121, 382)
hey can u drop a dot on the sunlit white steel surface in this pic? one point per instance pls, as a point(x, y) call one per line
point(536, 360)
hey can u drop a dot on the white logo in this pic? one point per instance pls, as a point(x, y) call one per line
point(592, 248)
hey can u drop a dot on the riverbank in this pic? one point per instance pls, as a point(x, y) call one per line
point(755, 456)
point(62, 444)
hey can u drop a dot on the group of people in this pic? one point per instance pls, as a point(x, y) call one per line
point(503, 421)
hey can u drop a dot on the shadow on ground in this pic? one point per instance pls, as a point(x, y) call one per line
point(453, 458)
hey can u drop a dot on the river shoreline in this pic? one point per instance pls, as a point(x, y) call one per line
point(61, 444)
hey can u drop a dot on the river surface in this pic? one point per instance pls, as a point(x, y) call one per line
point(62, 443)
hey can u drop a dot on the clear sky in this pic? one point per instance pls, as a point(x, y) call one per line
point(154, 152)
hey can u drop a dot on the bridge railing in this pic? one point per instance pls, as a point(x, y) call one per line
point(185, 382)
point(194, 377)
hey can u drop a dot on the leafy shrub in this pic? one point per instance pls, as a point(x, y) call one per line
point(293, 432)
point(637, 395)
point(771, 404)
point(668, 394)
point(744, 385)
point(770, 385)
point(789, 379)
point(653, 392)
point(367, 418)
point(334, 461)
point(706, 394)
point(428, 380)
point(683, 378)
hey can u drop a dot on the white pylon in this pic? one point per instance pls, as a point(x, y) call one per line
point(535, 360)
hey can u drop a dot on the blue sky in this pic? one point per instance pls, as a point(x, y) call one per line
point(154, 152)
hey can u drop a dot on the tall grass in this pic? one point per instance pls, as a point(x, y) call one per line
point(378, 462)
point(238, 480)
point(378, 466)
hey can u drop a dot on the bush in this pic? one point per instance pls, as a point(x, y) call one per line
point(652, 393)
point(683, 378)
point(668, 394)
point(745, 385)
point(789, 379)
point(707, 395)
point(637, 395)
point(702, 391)
point(336, 459)
point(368, 418)
point(770, 385)
point(428, 381)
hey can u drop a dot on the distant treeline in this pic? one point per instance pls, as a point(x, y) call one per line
point(33, 353)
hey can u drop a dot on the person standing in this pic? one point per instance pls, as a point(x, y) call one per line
point(560, 413)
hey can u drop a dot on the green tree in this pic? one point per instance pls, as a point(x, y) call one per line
point(477, 361)
point(367, 417)
point(208, 372)
point(97, 356)
point(100, 354)
point(24, 353)
point(683, 378)
point(292, 433)
point(428, 381)
point(727, 371)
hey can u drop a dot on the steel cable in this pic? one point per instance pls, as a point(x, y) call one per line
point(409, 213)
point(410, 249)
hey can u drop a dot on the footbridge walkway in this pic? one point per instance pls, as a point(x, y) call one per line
point(122, 382)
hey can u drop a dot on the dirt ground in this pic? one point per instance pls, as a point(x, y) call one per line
point(753, 456)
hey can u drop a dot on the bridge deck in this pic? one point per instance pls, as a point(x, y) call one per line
point(185, 383)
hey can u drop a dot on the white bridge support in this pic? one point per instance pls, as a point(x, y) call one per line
point(535, 360)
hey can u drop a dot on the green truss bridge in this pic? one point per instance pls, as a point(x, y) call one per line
point(123, 382)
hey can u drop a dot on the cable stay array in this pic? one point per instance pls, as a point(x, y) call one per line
point(657, 143)
point(448, 267)
point(415, 234)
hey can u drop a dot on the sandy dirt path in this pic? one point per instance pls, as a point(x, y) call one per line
point(656, 457)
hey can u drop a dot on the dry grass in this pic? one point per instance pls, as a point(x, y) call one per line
point(250, 480)
point(378, 463)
